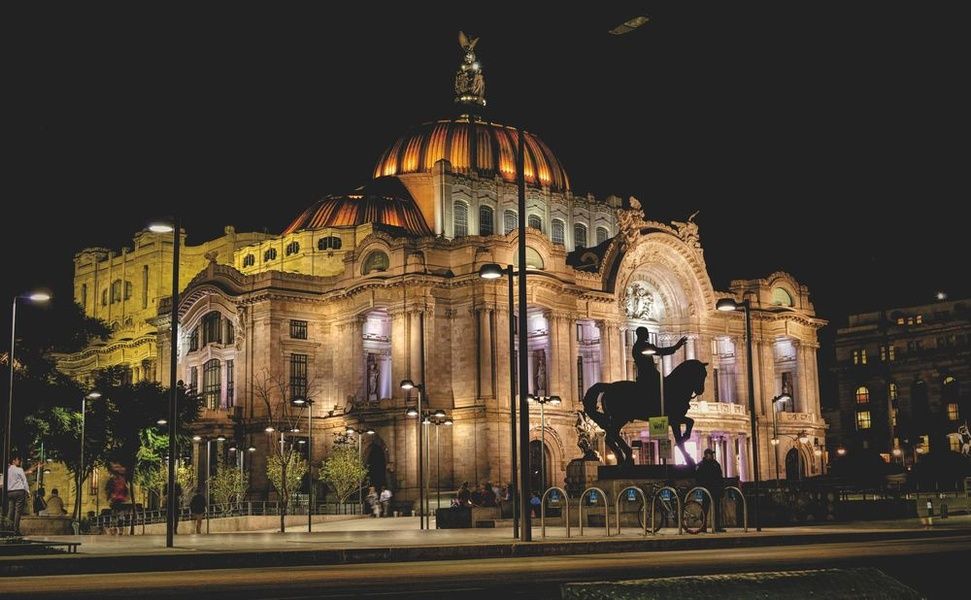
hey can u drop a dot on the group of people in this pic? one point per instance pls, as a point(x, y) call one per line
point(378, 503)
point(486, 494)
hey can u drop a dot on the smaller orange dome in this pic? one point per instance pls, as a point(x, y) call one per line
point(384, 201)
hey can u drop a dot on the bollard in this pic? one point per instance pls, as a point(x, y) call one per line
point(930, 508)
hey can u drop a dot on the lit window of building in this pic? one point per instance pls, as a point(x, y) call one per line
point(863, 419)
point(952, 412)
point(862, 395)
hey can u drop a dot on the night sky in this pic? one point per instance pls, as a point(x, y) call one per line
point(820, 139)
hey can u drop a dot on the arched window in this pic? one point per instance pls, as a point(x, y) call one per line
point(293, 248)
point(579, 235)
point(533, 259)
point(602, 235)
point(534, 222)
point(212, 328)
point(509, 221)
point(862, 395)
point(487, 225)
point(460, 219)
point(780, 297)
point(558, 231)
point(269, 255)
point(249, 260)
point(212, 383)
point(331, 242)
point(376, 261)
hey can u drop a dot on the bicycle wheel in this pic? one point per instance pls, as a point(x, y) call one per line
point(693, 516)
point(663, 515)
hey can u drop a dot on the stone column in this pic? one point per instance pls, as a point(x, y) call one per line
point(555, 380)
point(605, 350)
point(572, 396)
point(731, 470)
point(485, 356)
point(414, 345)
point(802, 378)
point(690, 352)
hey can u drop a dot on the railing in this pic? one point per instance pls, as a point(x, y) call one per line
point(542, 510)
point(643, 506)
point(744, 505)
point(606, 509)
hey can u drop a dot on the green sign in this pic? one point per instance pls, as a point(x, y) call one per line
point(659, 427)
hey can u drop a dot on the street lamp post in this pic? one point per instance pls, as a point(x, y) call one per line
point(728, 304)
point(360, 436)
point(543, 401)
point(407, 384)
point(309, 404)
point(37, 298)
point(94, 395)
point(494, 271)
point(527, 530)
point(170, 513)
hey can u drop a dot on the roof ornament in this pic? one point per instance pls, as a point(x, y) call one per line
point(469, 81)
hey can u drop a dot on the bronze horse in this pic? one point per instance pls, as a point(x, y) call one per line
point(626, 401)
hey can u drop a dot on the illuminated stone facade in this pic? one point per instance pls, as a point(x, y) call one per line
point(369, 288)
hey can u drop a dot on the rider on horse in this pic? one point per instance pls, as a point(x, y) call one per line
point(647, 374)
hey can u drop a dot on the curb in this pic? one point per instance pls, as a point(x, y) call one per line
point(133, 563)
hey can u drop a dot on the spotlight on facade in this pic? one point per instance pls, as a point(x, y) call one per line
point(490, 271)
point(775, 441)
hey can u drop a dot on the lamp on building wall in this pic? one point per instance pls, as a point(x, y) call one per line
point(494, 271)
point(37, 297)
point(728, 305)
point(170, 512)
point(407, 384)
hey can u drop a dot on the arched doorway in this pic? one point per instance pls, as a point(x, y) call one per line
point(539, 478)
point(794, 467)
point(377, 467)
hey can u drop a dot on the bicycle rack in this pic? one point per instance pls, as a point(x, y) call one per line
point(711, 503)
point(606, 509)
point(617, 506)
point(677, 500)
point(744, 506)
point(542, 510)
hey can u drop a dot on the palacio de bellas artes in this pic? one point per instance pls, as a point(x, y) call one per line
point(371, 286)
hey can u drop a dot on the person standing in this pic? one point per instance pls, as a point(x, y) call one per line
point(197, 506)
point(709, 476)
point(385, 499)
point(18, 491)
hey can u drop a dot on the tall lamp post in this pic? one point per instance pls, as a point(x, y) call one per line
point(494, 271)
point(93, 395)
point(301, 402)
point(728, 305)
point(407, 384)
point(438, 419)
point(775, 431)
point(527, 530)
point(543, 401)
point(360, 433)
point(37, 298)
point(170, 509)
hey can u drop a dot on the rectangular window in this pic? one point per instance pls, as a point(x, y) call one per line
point(194, 340)
point(194, 378)
point(892, 353)
point(919, 319)
point(863, 419)
point(84, 296)
point(953, 414)
point(212, 329)
point(145, 286)
point(714, 387)
point(298, 329)
point(954, 443)
point(892, 391)
point(893, 417)
point(230, 384)
point(230, 332)
point(212, 383)
point(510, 220)
point(298, 376)
point(883, 354)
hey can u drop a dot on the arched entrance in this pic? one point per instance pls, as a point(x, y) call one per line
point(794, 466)
point(539, 478)
point(377, 466)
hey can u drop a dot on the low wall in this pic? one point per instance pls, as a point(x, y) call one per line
point(53, 525)
point(243, 523)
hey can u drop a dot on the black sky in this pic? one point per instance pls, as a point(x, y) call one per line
point(824, 139)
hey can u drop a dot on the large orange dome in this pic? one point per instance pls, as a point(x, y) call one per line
point(385, 201)
point(471, 144)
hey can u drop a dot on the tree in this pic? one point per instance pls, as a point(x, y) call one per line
point(276, 394)
point(228, 485)
point(343, 469)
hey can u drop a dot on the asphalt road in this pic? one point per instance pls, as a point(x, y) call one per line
point(937, 567)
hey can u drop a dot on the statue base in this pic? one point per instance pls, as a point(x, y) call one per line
point(652, 472)
point(581, 473)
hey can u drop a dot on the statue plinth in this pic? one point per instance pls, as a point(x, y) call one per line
point(581, 473)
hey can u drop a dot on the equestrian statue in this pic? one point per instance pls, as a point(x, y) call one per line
point(621, 402)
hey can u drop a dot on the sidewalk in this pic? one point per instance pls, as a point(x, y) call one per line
point(399, 540)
